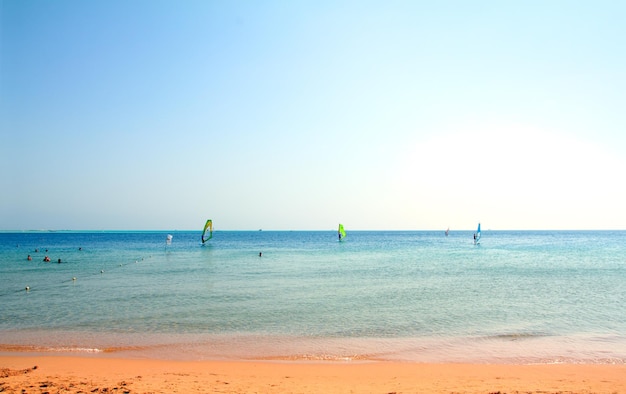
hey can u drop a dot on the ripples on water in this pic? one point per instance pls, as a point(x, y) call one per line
point(517, 297)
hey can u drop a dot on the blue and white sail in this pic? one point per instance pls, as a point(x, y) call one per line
point(477, 235)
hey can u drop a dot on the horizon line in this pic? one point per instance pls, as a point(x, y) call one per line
point(295, 230)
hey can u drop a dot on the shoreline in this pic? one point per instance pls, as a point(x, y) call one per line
point(501, 349)
point(74, 374)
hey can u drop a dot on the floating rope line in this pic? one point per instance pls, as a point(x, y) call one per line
point(74, 279)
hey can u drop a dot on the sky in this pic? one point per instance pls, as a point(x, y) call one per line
point(299, 115)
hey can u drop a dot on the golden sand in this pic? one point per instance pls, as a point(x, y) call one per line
point(56, 374)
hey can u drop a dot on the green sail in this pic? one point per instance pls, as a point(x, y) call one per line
point(341, 232)
point(207, 232)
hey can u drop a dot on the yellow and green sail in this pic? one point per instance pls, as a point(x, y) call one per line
point(207, 232)
point(341, 232)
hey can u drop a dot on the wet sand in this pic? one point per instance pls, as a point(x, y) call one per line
point(60, 374)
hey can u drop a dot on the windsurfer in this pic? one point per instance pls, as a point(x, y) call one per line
point(207, 232)
point(341, 233)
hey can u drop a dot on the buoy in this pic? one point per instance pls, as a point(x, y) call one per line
point(27, 288)
point(74, 278)
point(102, 271)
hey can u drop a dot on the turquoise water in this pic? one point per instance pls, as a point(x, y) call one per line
point(518, 297)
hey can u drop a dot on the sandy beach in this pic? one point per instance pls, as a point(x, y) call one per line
point(60, 374)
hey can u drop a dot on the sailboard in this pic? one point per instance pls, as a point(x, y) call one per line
point(341, 233)
point(477, 235)
point(168, 239)
point(447, 231)
point(207, 232)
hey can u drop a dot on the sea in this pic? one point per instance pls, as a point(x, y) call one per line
point(518, 297)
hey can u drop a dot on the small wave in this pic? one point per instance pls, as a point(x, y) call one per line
point(584, 361)
point(317, 357)
point(46, 349)
point(115, 349)
point(517, 336)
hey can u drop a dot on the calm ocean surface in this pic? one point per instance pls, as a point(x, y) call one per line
point(518, 297)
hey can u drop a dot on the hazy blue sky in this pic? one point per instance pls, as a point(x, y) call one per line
point(302, 114)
